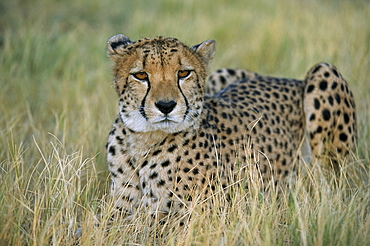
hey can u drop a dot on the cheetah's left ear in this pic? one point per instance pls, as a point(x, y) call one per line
point(117, 43)
point(206, 49)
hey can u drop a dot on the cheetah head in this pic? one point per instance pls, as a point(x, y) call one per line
point(159, 81)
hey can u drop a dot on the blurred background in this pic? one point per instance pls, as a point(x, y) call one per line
point(55, 77)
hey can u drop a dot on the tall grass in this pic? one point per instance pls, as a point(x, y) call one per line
point(57, 106)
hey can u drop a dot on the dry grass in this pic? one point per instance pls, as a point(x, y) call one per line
point(57, 106)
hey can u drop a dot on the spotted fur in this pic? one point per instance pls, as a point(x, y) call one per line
point(173, 145)
point(330, 114)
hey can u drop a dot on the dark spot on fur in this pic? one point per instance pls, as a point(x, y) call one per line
point(310, 88)
point(153, 175)
point(157, 152)
point(172, 148)
point(316, 69)
point(326, 114)
point(334, 85)
point(165, 163)
point(195, 170)
point(112, 150)
point(346, 118)
point(343, 137)
point(331, 100)
point(335, 72)
point(161, 183)
point(323, 85)
point(337, 98)
point(186, 142)
point(231, 72)
point(319, 129)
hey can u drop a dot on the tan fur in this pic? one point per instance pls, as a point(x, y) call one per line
point(330, 114)
point(172, 146)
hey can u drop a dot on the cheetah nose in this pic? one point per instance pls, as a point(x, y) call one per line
point(166, 106)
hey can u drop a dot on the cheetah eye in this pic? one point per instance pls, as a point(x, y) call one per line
point(141, 76)
point(183, 73)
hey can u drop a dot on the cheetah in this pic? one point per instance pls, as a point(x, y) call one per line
point(177, 140)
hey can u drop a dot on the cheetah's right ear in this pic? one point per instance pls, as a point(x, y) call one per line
point(205, 49)
point(117, 43)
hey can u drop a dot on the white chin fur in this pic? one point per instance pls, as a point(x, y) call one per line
point(138, 123)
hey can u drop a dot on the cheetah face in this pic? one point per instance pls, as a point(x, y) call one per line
point(160, 82)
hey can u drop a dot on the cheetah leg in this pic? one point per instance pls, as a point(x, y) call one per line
point(124, 189)
point(125, 180)
point(221, 78)
point(330, 115)
point(306, 151)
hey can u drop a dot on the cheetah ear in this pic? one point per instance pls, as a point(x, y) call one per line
point(117, 43)
point(206, 49)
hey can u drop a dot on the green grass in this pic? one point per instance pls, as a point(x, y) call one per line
point(57, 106)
